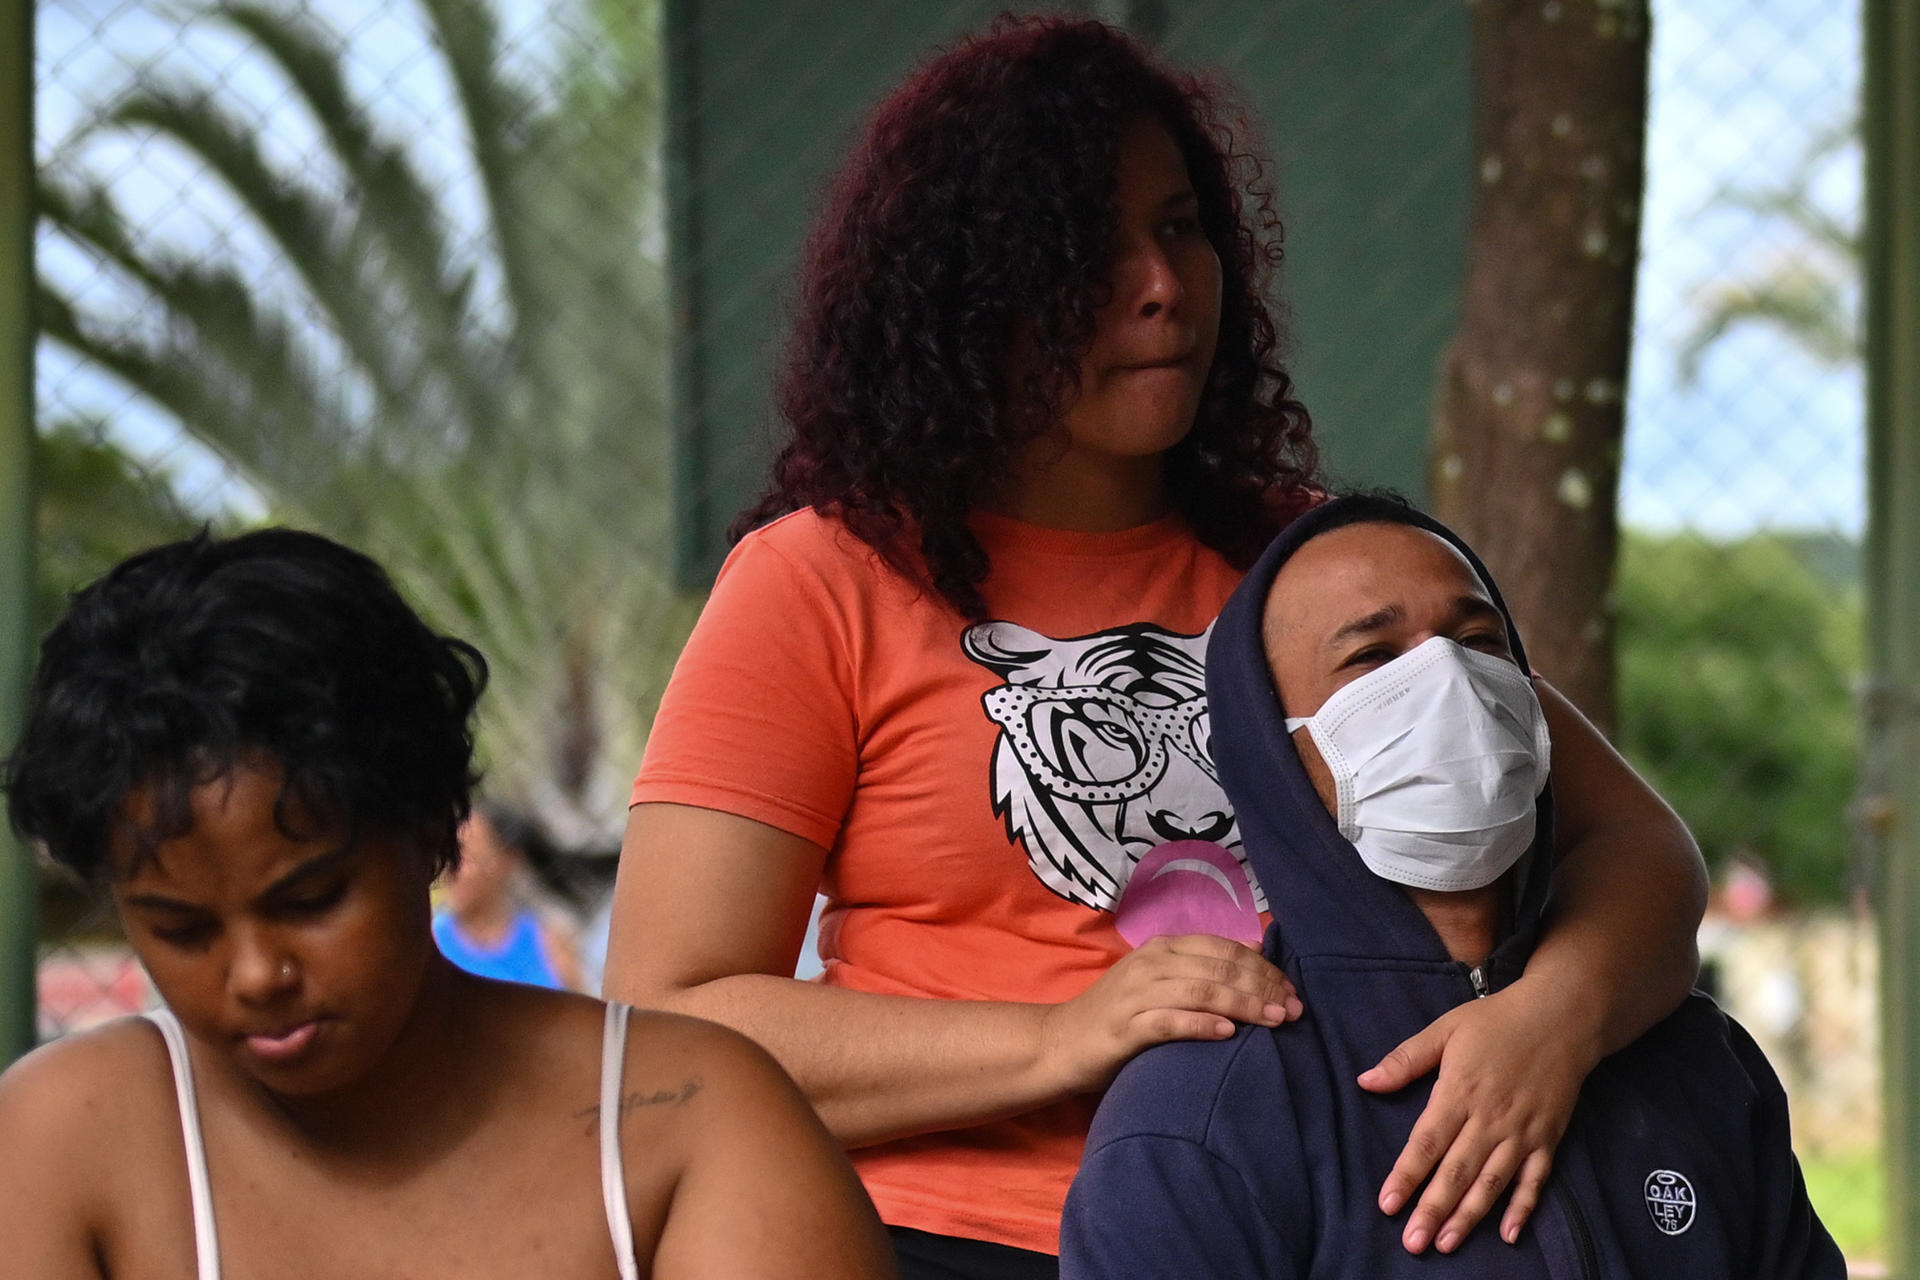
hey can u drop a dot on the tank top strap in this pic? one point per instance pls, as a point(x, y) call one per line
point(206, 1244)
point(613, 1177)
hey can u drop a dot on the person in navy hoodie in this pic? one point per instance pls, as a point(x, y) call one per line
point(1376, 730)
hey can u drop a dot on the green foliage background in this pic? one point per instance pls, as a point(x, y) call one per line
point(1737, 662)
point(96, 507)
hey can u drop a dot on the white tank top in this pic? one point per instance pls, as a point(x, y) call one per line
point(613, 1180)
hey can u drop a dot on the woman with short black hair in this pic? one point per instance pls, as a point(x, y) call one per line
point(261, 754)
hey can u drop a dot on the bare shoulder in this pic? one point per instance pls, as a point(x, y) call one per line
point(684, 1082)
point(668, 1059)
point(82, 1120)
point(79, 1089)
point(688, 1057)
point(534, 1029)
point(747, 1148)
point(692, 1089)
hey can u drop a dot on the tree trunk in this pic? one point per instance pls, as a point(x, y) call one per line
point(1531, 413)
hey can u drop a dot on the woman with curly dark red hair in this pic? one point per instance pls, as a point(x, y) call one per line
point(952, 676)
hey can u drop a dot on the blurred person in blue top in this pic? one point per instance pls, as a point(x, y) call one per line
point(492, 920)
point(1375, 726)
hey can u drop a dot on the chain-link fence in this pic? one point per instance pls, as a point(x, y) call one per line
point(398, 272)
point(1740, 588)
point(393, 272)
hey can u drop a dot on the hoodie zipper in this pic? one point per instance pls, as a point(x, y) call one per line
point(1583, 1239)
point(1576, 1219)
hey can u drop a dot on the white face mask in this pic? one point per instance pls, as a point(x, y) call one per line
point(1437, 759)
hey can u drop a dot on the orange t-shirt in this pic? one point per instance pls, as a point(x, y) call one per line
point(983, 791)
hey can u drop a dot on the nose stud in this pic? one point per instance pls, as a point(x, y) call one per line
point(286, 971)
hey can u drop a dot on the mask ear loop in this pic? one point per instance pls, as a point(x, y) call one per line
point(1337, 768)
point(1543, 740)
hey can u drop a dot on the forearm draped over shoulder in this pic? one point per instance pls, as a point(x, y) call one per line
point(1629, 888)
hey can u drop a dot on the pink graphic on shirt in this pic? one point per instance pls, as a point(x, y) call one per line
point(1188, 886)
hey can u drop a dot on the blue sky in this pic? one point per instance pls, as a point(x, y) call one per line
point(1763, 438)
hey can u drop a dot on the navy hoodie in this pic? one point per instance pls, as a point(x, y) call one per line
point(1259, 1156)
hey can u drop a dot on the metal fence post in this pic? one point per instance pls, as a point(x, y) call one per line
point(1892, 118)
point(18, 884)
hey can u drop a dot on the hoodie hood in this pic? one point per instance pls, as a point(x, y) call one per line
point(1324, 899)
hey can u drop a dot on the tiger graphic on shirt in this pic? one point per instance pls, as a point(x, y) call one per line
point(1103, 752)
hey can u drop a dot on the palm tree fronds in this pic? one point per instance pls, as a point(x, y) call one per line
point(309, 232)
point(506, 458)
point(1811, 309)
point(397, 218)
point(495, 113)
